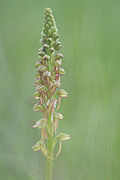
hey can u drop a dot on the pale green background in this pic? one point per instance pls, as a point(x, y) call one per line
point(90, 34)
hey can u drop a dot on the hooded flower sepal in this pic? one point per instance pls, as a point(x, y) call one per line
point(56, 116)
point(40, 146)
point(60, 137)
point(37, 107)
point(62, 93)
point(42, 124)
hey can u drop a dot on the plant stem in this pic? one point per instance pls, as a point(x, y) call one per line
point(49, 165)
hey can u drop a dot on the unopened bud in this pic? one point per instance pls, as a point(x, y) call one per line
point(37, 64)
point(47, 73)
point(55, 36)
point(37, 74)
point(40, 88)
point(58, 62)
point(58, 46)
point(41, 53)
point(52, 50)
point(46, 57)
point(46, 46)
point(49, 40)
point(59, 56)
point(37, 82)
point(42, 41)
point(42, 68)
point(56, 83)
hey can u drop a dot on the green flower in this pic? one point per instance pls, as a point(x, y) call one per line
point(47, 84)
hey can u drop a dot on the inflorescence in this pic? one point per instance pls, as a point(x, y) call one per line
point(47, 83)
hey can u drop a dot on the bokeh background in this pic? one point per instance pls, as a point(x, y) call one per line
point(90, 34)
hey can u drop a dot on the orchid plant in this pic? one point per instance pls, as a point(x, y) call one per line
point(48, 93)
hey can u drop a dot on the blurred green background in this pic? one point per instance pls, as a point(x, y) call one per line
point(90, 34)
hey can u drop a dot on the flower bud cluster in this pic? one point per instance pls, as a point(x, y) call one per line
point(47, 80)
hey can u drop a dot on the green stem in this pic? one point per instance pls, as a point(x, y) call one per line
point(49, 165)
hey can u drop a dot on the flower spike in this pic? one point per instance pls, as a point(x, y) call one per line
point(47, 84)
